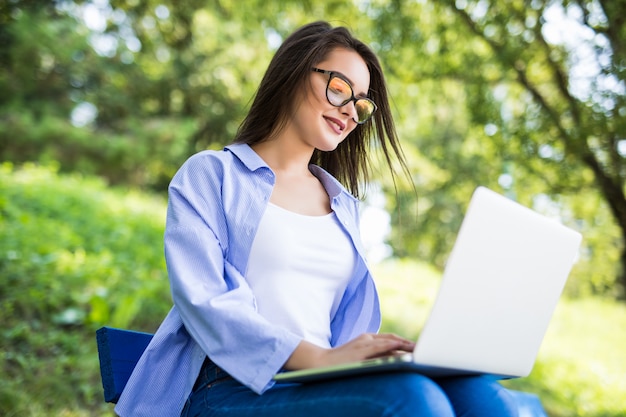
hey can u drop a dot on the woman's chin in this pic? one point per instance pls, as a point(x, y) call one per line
point(329, 145)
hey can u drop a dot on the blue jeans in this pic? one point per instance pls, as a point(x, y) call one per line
point(383, 395)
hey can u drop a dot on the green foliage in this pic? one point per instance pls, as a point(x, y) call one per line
point(581, 362)
point(480, 95)
point(144, 153)
point(74, 255)
point(37, 71)
point(491, 110)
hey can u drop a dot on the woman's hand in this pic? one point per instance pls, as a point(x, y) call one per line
point(366, 346)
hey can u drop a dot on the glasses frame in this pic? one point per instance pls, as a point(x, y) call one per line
point(333, 74)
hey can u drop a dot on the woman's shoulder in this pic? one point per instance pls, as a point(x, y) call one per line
point(233, 164)
point(203, 169)
point(237, 154)
point(208, 158)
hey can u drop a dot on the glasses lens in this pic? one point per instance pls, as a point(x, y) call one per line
point(364, 109)
point(338, 92)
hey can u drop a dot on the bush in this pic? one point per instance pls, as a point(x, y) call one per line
point(74, 255)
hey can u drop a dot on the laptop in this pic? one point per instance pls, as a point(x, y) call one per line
point(500, 286)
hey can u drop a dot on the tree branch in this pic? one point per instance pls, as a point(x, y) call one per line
point(518, 66)
point(575, 144)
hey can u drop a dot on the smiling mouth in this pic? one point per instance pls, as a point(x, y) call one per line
point(337, 124)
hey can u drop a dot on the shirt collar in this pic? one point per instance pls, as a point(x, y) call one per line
point(246, 154)
point(253, 161)
point(333, 187)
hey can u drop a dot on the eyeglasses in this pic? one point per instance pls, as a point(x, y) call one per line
point(339, 93)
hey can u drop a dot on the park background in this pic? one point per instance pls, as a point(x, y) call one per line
point(102, 100)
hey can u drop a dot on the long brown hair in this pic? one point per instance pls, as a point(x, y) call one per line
point(285, 77)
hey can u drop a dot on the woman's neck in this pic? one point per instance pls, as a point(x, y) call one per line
point(296, 188)
point(285, 156)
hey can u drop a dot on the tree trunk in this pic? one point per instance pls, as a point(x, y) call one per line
point(614, 195)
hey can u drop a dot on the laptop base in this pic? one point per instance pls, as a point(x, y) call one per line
point(374, 366)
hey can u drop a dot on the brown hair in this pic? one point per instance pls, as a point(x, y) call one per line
point(289, 69)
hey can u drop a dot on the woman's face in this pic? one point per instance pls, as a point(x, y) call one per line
point(318, 123)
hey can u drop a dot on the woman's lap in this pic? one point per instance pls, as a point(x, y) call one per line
point(393, 394)
point(483, 393)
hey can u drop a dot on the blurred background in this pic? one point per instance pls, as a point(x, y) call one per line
point(101, 101)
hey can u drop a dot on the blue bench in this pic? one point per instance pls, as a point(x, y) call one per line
point(119, 350)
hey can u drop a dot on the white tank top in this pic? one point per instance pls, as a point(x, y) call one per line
point(298, 270)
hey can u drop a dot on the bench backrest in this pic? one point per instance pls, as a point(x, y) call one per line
point(118, 350)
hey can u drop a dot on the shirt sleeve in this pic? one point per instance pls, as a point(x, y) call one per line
point(215, 302)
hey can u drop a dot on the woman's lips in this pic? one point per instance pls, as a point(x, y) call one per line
point(337, 125)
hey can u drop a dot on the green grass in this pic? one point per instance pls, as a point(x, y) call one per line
point(581, 365)
point(74, 255)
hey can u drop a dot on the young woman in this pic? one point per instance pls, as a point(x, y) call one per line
point(266, 265)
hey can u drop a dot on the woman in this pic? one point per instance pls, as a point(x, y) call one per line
point(265, 262)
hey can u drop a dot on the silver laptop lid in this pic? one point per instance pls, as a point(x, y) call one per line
point(501, 284)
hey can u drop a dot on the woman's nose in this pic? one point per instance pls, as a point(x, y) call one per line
point(349, 109)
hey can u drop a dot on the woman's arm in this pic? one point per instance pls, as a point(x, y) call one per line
point(210, 293)
point(368, 345)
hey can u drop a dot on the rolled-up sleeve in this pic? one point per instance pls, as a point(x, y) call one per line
point(211, 294)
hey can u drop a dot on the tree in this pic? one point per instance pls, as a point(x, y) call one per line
point(481, 96)
point(493, 100)
point(587, 122)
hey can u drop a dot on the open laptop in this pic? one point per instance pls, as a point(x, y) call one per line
point(500, 286)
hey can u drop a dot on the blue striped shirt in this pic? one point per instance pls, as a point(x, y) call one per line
point(216, 201)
